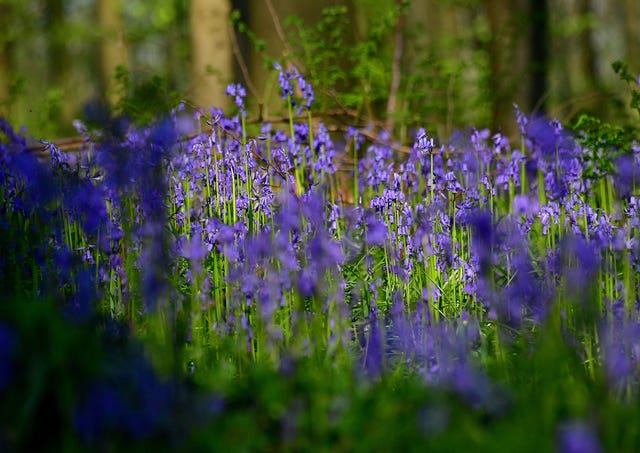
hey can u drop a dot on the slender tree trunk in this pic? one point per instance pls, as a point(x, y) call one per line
point(178, 46)
point(58, 64)
point(211, 53)
point(498, 17)
point(5, 63)
point(437, 21)
point(113, 50)
point(398, 49)
point(572, 82)
point(5, 71)
point(539, 45)
point(586, 65)
point(632, 33)
point(57, 52)
point(509, 56)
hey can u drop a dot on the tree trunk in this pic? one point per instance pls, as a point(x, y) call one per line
point(113, 50)
point(57, 51)
point(539, 45)
point(5, 62)
point(632, 34)
point(509, 54)
point(177, 46)
point(58, 63)
point(572, 85)
point(211, 52)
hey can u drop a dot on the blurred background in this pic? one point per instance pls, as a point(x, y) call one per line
point(442, 64)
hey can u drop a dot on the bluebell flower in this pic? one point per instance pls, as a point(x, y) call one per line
point(307, 282)
point(86, 203)
point(82, 303)
point(129, 402)
point(484, 239)
point(424, 144)
point(577, 437)
point(549, 215)
point(525, 205)
point(324, 151)
point(582, 259)
point(238, 93)
point(373, 347)
point(8, 347)
point(307, 93)
point(195, 251)
point(628, 176)
point(376, 231)
point(284, 79)
point(620, 351)
point(325, 252)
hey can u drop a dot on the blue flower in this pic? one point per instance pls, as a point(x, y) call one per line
point(628, 176)
point(578, 437)
point(620, 349)
point(376, 231)
point(238, 93)
point(307, 93)
point(284, 79)
point(373, 353)
point(129, 400)
point(8, 346)
point(525, 205)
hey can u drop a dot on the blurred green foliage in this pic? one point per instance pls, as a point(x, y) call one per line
point(622, 69)
point(145, 99)
point(446, 75)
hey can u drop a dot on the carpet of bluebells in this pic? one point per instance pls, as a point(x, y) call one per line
point(197, 284)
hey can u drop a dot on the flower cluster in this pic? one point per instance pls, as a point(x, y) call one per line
point(286, 78)
point(446, 257)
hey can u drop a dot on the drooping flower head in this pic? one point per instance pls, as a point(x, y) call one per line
point(238, 93)
point(285, 78)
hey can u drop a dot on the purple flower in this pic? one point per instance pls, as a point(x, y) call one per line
point(284, 79)
point(8, 346)
point(15, 142)
point(542, 136)
point(582, 262)
point(325, 252)
point(307, 282)
point(238, 93)
point(525, 296)
point(324, 150)
point(525, 205)
point(86, 202)
point(628, 176)
point(307, 93)
point(373, 353)
point(521, 119)
point(620, 349)
point(195, 251)
point(376, 231)
point(442, 353)
point(423, 144)
point(128, 401)
point(33, 183)
point(80, 306)
point(578, 437)
point(549, 215)
point(484, 239)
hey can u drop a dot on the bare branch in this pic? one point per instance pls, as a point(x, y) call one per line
point(280, 32)
point(243, 67)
